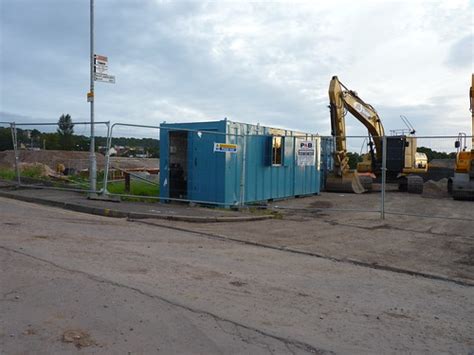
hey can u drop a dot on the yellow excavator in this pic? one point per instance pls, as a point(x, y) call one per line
point(461, 186)
point(403, 162)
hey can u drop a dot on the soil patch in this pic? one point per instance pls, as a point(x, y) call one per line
point(238, 283)
point(79, 338)
point(438, 188)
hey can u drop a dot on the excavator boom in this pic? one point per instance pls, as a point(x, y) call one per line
point(340, 100)
point(403, 150)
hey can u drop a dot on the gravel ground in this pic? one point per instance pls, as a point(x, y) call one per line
point(197, 294)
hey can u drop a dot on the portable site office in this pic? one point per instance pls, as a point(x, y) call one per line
point(227, 163)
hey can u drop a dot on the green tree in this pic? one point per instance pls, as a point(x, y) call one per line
point(354, 158)
point(433, 154)
point(51, 141)
point(65, 131)
point(35, 138)
point(6, 139)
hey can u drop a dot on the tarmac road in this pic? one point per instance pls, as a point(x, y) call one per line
point(133, 288)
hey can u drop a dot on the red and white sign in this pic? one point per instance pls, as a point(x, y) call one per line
point(100, 59)
point(100, 69)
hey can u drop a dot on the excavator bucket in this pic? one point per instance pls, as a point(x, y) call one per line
point(349, 183)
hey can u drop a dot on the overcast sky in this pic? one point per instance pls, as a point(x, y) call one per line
point(266, 62)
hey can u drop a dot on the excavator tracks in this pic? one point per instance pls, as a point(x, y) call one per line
point(412, 184)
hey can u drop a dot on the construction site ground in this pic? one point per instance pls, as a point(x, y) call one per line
point(75, 159)
point(442, 248)
point(108, 285)
point(331, 225)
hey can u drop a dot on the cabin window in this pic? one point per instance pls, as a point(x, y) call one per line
point(277, 150)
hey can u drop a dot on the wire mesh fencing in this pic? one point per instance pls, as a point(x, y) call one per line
point(132, 161)
point(339, 173)
point(7, 153)
point(46, 155)
point(434, 182)
point(229, 164)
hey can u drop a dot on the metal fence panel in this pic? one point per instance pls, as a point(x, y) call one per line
point(436, 199)
point(51, 160)
point(234, 164)
point(7, 153)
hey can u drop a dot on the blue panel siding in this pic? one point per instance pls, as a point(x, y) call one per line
point(217, 177)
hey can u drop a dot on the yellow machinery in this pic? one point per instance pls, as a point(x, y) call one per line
point(462, 184)
point(402, 160)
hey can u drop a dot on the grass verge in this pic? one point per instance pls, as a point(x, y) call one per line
point(138, 188)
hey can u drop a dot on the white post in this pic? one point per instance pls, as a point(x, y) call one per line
point(384, 176)
point(242, 170)
point(472, 112)
point(107, 158)
point(92, 160)
point(17, 156)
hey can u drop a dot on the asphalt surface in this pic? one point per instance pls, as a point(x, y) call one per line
point(133, 288)
point(78, 201)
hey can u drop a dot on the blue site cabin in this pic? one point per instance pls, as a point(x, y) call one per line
point(229, 163)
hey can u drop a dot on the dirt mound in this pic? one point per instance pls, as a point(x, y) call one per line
point(134, 163)
point(436, 188)
point(73, 159)
point(7, 159)
point(41, 169)
point(69, 159)
point(442, 163)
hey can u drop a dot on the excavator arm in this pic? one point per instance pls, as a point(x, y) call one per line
point(340, 100)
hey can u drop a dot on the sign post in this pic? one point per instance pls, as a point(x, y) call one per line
point(98, 72)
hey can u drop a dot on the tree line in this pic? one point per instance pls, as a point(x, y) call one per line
point(65, 139)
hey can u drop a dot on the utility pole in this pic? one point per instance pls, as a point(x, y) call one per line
point(92, 160)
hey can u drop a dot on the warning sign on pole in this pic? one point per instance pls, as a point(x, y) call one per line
point(101, 66)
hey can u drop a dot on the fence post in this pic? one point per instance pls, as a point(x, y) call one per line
point(384, 176)
point(242, 170)
point(15, 151)
point(107, 158)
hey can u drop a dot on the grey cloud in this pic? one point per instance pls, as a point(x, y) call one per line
point(162, 52)
point(461, 53)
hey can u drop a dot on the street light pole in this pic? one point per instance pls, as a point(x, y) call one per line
point(92, 160)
